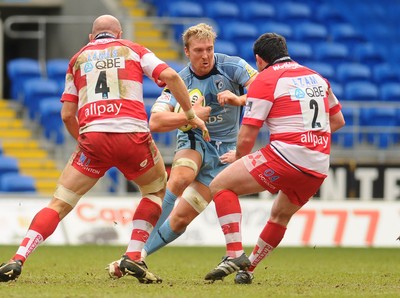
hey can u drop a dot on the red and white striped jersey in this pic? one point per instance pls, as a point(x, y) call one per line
point(295, 103)
point(105, 79)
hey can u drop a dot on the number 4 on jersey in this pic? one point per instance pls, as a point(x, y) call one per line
point(101, 85)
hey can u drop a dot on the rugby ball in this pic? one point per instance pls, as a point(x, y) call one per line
point(194, 94)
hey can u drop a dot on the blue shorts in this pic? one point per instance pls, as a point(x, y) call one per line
point(209, 151)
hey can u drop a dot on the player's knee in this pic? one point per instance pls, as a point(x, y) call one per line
point(66, 195)
point(195, 199)
point(154, 187)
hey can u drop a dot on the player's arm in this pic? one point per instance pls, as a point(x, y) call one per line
point(180, 92)
point(336, 121)
point(227, 97)
point(246, 139)
point(68, 116)
point(163, 118)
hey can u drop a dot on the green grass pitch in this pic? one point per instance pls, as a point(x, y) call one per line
point(78, 271)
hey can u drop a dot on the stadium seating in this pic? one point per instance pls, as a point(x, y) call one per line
point(350, 72)
point(50, 119)
point(368, 54)
point(15, 182)
point(324, 69)
point(56, 70)
point(300, 52)
point(390, 92)
point(239, 32)
point(176, 65)
point(8, 165)
point(246, 51)
point(347, 136)
point(337, 89)
point(150, 89)
point(183, 9)
point(222, 12)
point(257, 12)
point(226, 47)
point(381, 122)
point(346, 34)
point(311, 33)
point(385, 73)
point(333, 53)
point(361, 91)
point(19, 70)
point(35, 90)
point(278, 27)
point(328, 14)
point(293, 13)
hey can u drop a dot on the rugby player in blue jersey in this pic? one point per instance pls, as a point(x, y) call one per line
point(222, 80)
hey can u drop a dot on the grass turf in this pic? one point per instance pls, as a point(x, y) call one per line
point(78, 271)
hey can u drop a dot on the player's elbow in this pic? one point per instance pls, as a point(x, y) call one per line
point(169, 75)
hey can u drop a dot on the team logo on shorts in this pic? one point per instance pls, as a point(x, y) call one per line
point(256, 159)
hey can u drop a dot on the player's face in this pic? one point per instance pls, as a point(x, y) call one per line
point(201, 55)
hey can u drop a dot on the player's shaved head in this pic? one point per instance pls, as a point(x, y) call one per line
point(106, 24)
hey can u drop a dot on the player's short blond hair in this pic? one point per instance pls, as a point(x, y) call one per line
point(200, 31)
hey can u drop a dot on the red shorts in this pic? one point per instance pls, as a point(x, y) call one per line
point(274, 174)
point(132, 153)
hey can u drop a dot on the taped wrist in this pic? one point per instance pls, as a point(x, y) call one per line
point(190, 115)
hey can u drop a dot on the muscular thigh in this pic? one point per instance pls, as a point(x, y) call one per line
point(235, 177)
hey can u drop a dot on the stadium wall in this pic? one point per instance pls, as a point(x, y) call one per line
point(107, 220)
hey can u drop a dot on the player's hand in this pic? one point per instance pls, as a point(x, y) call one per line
point(196, 122)
point(201, 111)
point(228, 157)
point(227, 97)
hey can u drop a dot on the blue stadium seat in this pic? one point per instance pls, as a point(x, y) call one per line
point(15, 182)
point(246, 51)
point(381, 123)
point(293, 12)
point(37, 89)
point(333, 53)
point(19, 70)
point(346, 34)
point(239, 32)
point(390, 92)
point(114, 175)
point(347, 137)
point(328, 14)
point(150, 89)
point(300, 52)
point(226, 47)
point(337, 89)
point(176, 65)
point(311, 33)
point(368, 54)
point(50, 119)
point(257, 12)
point(361, 91)
point(385, 73)
point(183, 9)
point(8, 165)
point(222, 12)
point(350, 72)
point(56, 69)
point(277, 27)
point(324, 69)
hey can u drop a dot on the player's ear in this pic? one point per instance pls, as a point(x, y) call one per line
point(90, 37)
point(186, 52)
